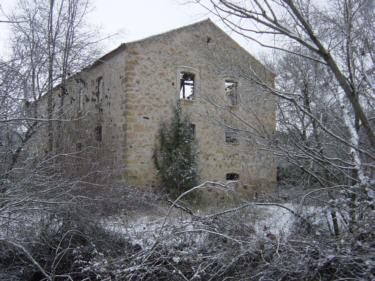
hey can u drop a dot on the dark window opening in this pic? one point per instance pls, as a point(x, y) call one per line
point(80, 99)
point(231, 92)
point(99, 88)
point(187, 86)
point(232, 177)
point(192, 130)
point(79, 146)
point(231, 136)
point(98, 133)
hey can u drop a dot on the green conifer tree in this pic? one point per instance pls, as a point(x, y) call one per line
point(175, 154)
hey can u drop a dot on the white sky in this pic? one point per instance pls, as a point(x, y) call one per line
point(136, 19)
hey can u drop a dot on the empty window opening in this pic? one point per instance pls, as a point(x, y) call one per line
point(98, 133)
point(231, 136)
point(99, 88)
point(80, 99)
point(187, 86)
point(192, 130)
point(231, 92)
point(78, 146)
point(232, 177)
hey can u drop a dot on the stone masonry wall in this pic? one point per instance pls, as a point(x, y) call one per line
point(94, 97)
point(131, 90)
point(152, 86)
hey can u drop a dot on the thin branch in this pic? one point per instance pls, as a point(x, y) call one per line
point(29, 256)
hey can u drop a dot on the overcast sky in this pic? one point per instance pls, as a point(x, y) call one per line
point(136, 19)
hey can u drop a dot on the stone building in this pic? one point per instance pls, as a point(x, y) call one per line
point(118, 103)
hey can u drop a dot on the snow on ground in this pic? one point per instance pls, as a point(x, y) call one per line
point(274, 220)
point(263, 220)
point(145, 230)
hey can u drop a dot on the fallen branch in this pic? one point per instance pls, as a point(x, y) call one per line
point(29, 256)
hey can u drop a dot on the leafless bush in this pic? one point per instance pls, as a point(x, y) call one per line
point(225, 248)
point(51, 225)
point(227, 245)
point(64, 235)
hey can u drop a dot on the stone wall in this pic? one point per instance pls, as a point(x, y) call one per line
point(131, 90)
point(91, 137)
point(152, 87)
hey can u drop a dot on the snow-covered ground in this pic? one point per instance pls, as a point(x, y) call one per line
point(262, 220)
point(145, 230)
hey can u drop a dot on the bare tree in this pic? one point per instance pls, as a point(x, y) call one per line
point(325, 87)
point(338, 43)
point(49, 43)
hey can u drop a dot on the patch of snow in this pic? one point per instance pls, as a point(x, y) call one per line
point(265, 220)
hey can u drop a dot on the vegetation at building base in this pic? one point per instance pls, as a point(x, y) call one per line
point(221, 248)
point(175, 155)
point(49, 230)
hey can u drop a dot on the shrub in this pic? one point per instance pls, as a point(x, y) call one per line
point(175, 154)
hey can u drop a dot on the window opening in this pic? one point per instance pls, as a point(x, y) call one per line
point(192, 130)
point(98, 133)
point(232, 177)
point(187, 85)
point(80, 99)
point(231, 92)
point(99, 88)
point(81, 85)
point(231, 136)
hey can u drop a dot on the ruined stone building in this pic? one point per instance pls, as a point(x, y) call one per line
point(117, 105)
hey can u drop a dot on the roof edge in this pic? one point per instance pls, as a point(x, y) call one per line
point(243, 48)
point(105, 57)
point(170, 31)
point(123, 46)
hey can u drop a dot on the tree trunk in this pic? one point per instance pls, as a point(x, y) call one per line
point(50, 77)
